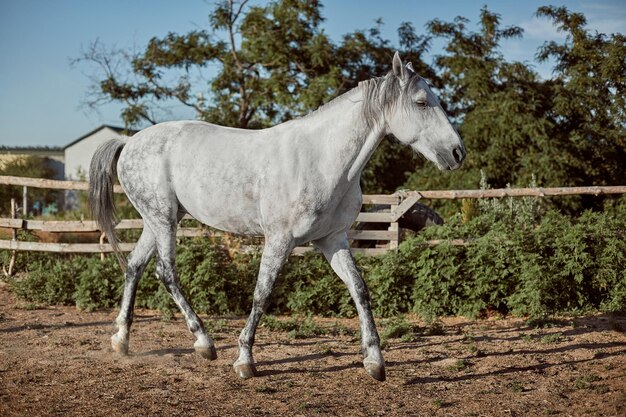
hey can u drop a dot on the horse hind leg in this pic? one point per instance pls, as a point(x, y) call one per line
point(165, 236)
point(137, 261)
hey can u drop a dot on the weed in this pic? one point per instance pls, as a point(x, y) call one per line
point(338, 329)
point(435, 329)
point(601, 389)
point(472, 346)
point(325, 350)
point(437, 402)
point(266, 389)
point(215, 326)
point(585, 381)
point(526, 337)
point(550, 263)
point(516, 386)
point(546, 323)
point(552, 338)
point(396, 328)
point(459, 365)
point(408, 338)
point(295, 327)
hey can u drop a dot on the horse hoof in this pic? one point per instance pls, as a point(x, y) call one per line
point(119, 346)
point(206, 352)
point(245, 370)
point(375, 370)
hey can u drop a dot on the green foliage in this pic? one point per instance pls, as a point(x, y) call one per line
point(309, 286)
point(274, 62)
point(588, 99)
point(51, 281)
point(568, 130)
point(209, 278)
point(30, 166)
point(519, 258)
point(397, 328)
point(100, 284)
point(296, 327)
point(458, 366)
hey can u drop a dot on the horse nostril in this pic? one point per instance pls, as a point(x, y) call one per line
point(458, 155)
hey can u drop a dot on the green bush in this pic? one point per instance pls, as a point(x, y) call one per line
point(99, 284)
point(518, 259)
point(51, 281)
point(309, 286)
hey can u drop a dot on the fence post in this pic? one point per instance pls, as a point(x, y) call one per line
point(14, 238)
point(395, 228)
point(102, 235)
point(25, 202)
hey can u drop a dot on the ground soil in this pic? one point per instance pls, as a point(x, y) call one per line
point(57, 361)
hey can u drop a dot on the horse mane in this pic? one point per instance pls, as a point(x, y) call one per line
point(380, 95)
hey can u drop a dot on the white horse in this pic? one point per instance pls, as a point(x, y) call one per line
point(294, 183)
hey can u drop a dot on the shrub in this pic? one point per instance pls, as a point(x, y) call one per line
point(50, 280)
point(309, 286)
point(519, 259)
point(100, 284)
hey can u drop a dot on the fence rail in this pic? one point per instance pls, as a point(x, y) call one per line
point(395, 198)
point(518, 192)
point(399, 203)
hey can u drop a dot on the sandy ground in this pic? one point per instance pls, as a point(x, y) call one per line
point(57, 361)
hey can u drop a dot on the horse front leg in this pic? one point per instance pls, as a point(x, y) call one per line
point(275, 253)
point(337, 251)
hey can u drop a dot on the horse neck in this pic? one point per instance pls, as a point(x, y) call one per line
point(342, 140)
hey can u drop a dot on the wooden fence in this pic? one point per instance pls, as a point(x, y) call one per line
point(397, 203)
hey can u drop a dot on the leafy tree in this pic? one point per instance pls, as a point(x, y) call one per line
point(588, 99)
point(565, 131)
point(498, 105)
point(274, 62)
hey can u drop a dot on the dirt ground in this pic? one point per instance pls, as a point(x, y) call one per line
point(57, 361)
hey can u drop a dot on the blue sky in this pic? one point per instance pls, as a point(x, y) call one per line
point(41, 94)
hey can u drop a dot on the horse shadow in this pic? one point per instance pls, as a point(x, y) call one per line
point(579, 326)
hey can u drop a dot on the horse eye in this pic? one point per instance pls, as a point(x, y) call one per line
point(421, 103)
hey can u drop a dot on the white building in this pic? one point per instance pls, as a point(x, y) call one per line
point(78, 154)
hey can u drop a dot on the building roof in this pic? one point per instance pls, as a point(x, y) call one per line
point(117, 129)
point(31, 150)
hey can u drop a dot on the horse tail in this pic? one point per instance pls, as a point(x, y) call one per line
point(102, 174)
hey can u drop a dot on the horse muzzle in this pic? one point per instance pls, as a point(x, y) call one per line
point(451, 159)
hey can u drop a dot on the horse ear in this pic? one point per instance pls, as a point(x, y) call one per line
point(409, 66)
point(398, 69)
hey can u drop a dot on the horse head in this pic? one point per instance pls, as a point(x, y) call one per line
point(418, 120)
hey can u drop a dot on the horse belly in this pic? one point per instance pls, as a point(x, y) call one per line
point(225, 208)
point(218, 199)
